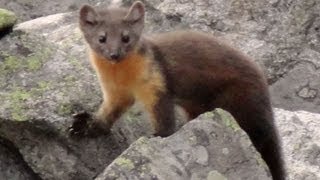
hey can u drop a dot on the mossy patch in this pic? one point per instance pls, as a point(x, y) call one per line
point(64, 109)
point(141, 142)
point(11, 63)
point(132, 116)
point(18, 99)
point(44, 85)
point(228, 119)
point(18, 107)
point(29, 54)
point(7, 19)
point(14, 63)
point(70, 79)
point(261, 162)
point(208, 115)
point(33, 63)
point(19, 95)
point(215, 175)
point(124, 162)
point(75, 62)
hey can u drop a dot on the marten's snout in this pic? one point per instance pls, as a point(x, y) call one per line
point(114, 56)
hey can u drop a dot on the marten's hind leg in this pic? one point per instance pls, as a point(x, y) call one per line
point(192, 109)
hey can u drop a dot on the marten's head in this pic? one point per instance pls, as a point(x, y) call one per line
point(114, 32)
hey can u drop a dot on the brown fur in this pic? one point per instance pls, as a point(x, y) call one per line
point(125, 81)
point(189, 68)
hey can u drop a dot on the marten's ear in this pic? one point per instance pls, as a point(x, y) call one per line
point(88, 15)
point(136, 12)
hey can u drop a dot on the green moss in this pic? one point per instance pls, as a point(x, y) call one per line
point(34, 63)
point(75, 62)
point(228, 119)
point(142, 141)
point(125, 163)
point(44, 85)
point(11, 63)
point(18, 98)
point(29, 57)
point(18, 105)
point(37, 59)
point(261, 162)
point(64, 109)
point(132, 116)
point(19, 113)
point(208, 115)
point(215, 175)
point(7, 19)
point(38, 54)
point(70, 79)
point(41, 88)
point(19, 95)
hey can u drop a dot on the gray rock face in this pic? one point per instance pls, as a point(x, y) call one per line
point(28, 10)
point(301, 146)
point(45, 77)
point(12, 165)
point(203, 149)
point(299, 89)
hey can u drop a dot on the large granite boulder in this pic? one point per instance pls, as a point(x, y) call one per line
point(210, 147)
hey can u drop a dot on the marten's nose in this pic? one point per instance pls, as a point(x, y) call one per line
point(114, 56)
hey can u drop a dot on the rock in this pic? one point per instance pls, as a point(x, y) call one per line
point(196, 151)
point(12, 165)
point(301, 146)
point(300, 89)
point(7, 20)
point(28, 10)
point(44, 78)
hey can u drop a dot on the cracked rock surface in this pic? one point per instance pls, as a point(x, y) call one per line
point(301, 146)
point(203, 149)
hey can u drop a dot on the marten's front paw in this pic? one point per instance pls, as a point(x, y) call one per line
point(85, 126)
point(80, 124)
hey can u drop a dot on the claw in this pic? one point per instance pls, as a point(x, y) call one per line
point(80, 125)
point(83, 126)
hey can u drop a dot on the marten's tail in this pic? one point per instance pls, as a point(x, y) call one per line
point(254, 115)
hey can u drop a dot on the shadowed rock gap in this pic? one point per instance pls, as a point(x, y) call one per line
point(22, 167)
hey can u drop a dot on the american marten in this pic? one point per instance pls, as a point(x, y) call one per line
point(190, 69)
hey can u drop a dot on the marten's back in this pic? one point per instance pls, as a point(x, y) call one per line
point(199, 63)
point(198, 49)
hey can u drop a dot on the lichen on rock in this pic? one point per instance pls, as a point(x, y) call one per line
point(7, 19)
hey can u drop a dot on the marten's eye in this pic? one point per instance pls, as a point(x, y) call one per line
point(102, 39)
point(125, 38)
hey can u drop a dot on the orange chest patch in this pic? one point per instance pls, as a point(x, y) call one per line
point(126, 73)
